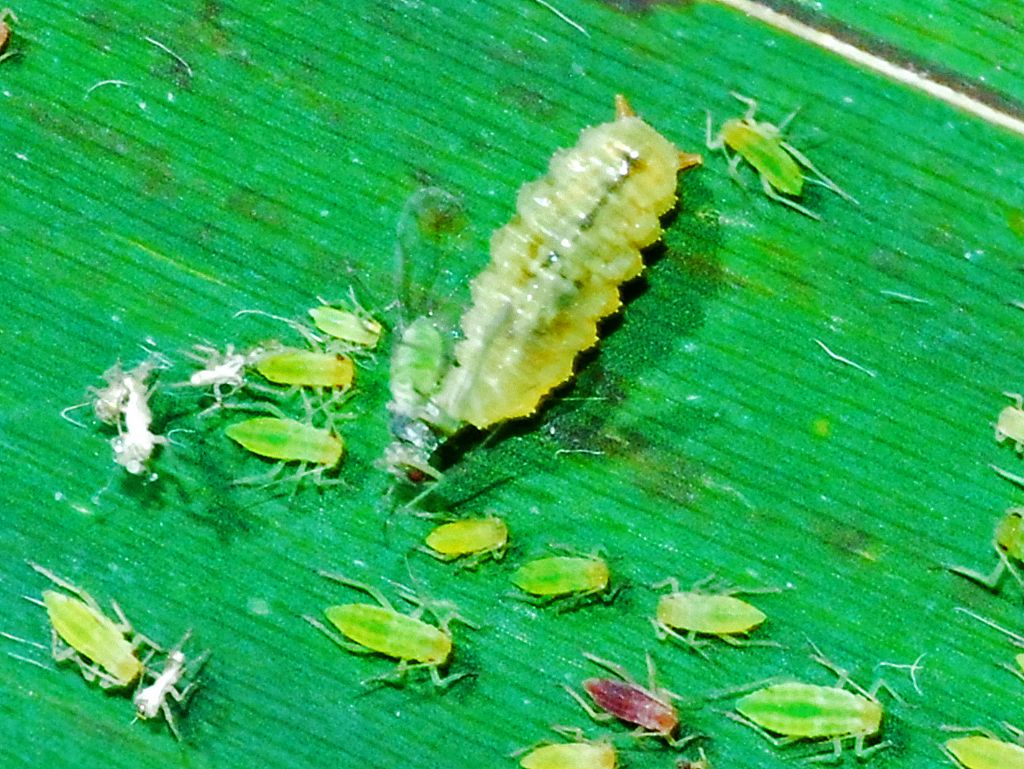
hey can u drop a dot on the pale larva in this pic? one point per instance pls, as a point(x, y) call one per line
point(555, 271)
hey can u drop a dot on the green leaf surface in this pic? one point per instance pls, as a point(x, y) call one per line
point(267, 162)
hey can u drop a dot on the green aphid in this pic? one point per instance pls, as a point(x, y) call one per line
point(682, 616)
point(799, 711)
point(418, 363)
point(1008, 542)
point(382, 629)
point(474, 537)
point(306, 368)
point(561, 576)
point(778, 162)
point(288, 440)
point(984, 750)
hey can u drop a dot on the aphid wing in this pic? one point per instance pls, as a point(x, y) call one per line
point(556, 269)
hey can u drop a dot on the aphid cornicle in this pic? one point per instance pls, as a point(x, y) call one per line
point(778, 162)
point(984, 750)
point(555, 271)
point(1008, 543)
point(382, 629)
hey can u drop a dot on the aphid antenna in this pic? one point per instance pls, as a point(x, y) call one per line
point(1007, 475)
point(299, 328)
point(370, 590)
point(1016, 639)
point(956, 729)
point(844, 679)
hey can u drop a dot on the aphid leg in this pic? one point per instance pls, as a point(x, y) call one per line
point(594, 714)
point(443, 681)
point(863, 753)
point(748, 116)
point(739, 641)
point(689, 160)
point(652, 681)
point(371, 591)
point(690, 640)
point(711, 141)
point(734, 170)
point(613, 667)
point(779, 742)
point(671, 583)
point(771, 193)
point(445, 612)
point(990, 580)
point(803, 160)
point(63, 583)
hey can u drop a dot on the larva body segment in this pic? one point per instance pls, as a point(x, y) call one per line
point(556, 268)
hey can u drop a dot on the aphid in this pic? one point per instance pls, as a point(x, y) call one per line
point(1011, 422)
point(1008, 542)
point(347, 326)
point(221, 370)
point(984, 750)
point(289, 441)
point(109, 401)
point(418, 363)
point(306, 368)
point(83, 634)
point(776, 161)
point(555, 271)
point(559, 576)
point(5, 32)
point(134, 444)
point(805, 711)
point(650, 709)
point(581, 753)
point(477, 537)
point(382, 629)
point(152, 700)
point(1015, 639)
point(696, 612)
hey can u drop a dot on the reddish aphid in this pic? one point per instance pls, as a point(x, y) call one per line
point(649, 708)
point(633, 704)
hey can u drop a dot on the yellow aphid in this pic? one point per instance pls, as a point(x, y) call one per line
point(984, 750)
point(572, 755)
point(347, 326)
point(477, 537)
point(103, 649)
point(556, 268)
